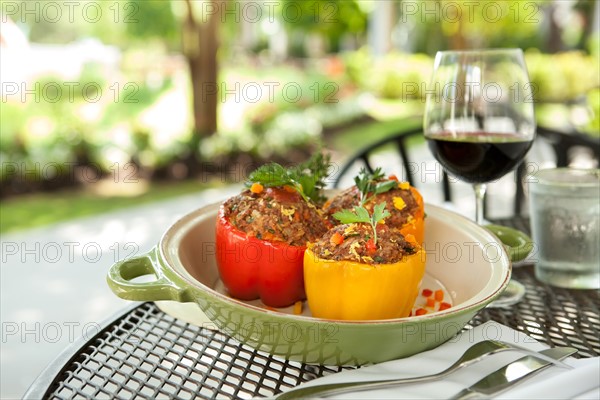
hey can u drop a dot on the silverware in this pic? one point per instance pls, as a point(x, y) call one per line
point(511, 374)
point(472, 355)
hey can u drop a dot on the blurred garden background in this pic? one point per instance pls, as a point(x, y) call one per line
point(138, 100)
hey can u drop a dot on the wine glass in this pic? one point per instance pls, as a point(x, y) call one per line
point(479, 121)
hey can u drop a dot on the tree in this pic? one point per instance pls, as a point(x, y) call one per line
point(197, 24)
point(200, 44)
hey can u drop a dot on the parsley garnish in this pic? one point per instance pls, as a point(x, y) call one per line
point(360, 214)
point(367, 183)
point(307, 178)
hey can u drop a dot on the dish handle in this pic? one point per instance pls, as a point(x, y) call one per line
point(517, 244)
point(164, 287)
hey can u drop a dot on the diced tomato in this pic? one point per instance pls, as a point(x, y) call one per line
point(439, 295)
point(283, 195)
point(393, 178)
point(445, 306)
point(337, 238)
point(371, 246)
point(427, 292)
point(430, 302)
point(421, 311)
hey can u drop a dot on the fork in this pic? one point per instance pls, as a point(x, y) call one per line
point(473, 354)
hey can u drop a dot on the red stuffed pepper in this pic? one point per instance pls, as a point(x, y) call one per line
point(261, 236)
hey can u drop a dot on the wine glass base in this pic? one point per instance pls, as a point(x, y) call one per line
point(513, 293)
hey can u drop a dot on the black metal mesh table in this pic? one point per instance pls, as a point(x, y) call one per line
point(145, 353)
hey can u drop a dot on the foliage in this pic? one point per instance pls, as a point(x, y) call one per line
point(440, 25)
point(332, 19)
point(400, 76)
point(85, 128)
point(558, 77)
point(151, 19)
point(272, 126)
point(113, 22)
point(562, 77)
point(593, 100)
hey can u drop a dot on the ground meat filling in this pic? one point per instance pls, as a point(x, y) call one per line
point(399, 202)
point(289, 219)
point(391, 245)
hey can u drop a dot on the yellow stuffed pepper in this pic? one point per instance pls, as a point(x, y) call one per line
point(363, 269)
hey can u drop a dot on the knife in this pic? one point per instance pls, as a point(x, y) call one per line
point(511, 374)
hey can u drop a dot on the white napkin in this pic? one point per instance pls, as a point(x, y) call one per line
point(553, 383)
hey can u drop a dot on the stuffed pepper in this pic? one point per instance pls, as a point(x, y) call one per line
point(363, 269)
point(261, 234)
point(403, 202)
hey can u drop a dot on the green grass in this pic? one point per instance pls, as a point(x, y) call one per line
point(29, 211)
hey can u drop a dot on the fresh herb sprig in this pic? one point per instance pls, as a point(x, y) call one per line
point(360, 214)
point(369, 186)
point(313, 174)
point(307, 178)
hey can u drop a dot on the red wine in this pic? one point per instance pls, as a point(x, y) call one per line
point(478, 157)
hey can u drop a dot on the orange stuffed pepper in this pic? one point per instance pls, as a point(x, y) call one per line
point(403, 202)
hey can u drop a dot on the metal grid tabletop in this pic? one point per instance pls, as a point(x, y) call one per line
point(145, 353)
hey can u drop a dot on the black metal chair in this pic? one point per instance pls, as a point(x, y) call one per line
point(400, 141)
point(562, 144)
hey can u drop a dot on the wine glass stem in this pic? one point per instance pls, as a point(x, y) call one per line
point(479, 189)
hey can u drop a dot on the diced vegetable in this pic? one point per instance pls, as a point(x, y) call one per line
point(371, 246)
point(256, 188)
point(430, 302)
point(337, 238)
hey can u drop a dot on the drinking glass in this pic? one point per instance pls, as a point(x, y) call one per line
point(565, 224)
point(479, 120)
